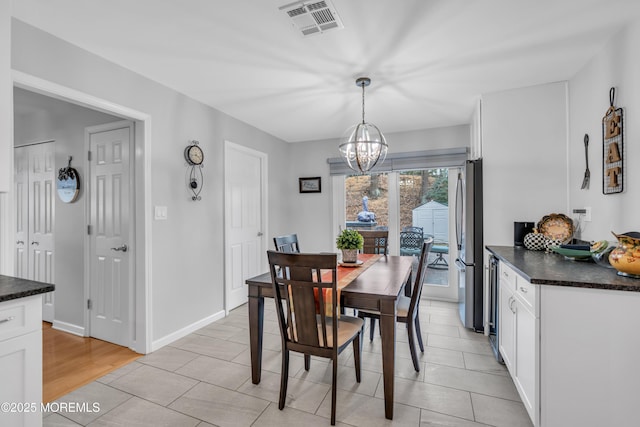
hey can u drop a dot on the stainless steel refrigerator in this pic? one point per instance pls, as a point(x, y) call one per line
point(468, 209)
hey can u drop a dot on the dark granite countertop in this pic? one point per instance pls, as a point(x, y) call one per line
point(542, 268)
point(13, 287)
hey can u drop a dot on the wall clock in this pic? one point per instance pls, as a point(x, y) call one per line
point(194, 156)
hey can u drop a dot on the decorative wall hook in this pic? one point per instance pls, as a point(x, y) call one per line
point(68, 183)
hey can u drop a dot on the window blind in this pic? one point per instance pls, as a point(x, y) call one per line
point(414, 160)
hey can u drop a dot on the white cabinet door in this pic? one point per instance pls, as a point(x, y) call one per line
point(519, 336)
point(507, 326)
point(526, 356)
point(21, 361)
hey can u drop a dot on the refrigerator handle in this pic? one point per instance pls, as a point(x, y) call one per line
point(459, 211)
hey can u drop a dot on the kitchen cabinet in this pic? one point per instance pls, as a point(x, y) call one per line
point(21, 360)
point(576, 324)
point(590, 347)
point(519, 336)
point(507, 318)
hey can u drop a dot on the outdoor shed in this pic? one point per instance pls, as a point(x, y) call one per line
point(433, 217)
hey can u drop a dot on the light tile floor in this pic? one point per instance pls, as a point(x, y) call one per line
point(204, 379)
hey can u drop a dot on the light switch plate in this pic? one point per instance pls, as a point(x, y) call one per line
point(160, 213)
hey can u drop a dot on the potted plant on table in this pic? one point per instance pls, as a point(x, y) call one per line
point(349, 241)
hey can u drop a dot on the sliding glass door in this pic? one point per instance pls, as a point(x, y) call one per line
point(367, 201)
point(413, 198)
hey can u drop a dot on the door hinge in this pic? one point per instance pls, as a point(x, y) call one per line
point(89, 230)
point(89, 155)
point(89, 305)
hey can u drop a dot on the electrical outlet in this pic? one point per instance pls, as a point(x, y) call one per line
point(587, 215)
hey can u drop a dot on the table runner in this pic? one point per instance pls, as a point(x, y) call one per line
point(345, 275)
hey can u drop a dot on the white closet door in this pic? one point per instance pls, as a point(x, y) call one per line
point(21, 186)
point(35, 216)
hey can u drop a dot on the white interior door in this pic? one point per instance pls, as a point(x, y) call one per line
point(110, 293)
point(21, 185)
point(35, 217)
point(245, 183)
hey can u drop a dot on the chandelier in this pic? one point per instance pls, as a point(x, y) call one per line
point(366, 145)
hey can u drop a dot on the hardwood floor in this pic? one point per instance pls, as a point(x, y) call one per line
point(70, 361)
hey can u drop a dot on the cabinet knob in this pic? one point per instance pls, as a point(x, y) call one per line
point(523, 290)
point(35, 243)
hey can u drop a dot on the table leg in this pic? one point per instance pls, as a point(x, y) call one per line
point(256, 324)
point(388, 336)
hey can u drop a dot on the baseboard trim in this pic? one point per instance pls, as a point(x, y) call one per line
point(181, 333)
point(68, 327)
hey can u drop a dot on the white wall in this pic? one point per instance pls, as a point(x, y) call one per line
point(617, 65)
point(524, 134)
point(6, 126)
point(187, 249)
point(6, 135)
point(40, 118)
point(311, 213)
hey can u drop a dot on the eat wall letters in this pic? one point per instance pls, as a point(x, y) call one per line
point(612, 148)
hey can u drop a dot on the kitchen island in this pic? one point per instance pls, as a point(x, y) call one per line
point(568, 334)
point(21, 350)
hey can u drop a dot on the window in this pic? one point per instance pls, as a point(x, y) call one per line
point(367, 201)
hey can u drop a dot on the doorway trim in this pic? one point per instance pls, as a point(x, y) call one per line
point(141, 341)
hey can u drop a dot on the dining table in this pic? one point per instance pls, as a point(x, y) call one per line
point(373, 285)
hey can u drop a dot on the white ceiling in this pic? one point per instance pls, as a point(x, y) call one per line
point(429, 60)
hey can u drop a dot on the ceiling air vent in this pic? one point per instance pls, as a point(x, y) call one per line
point(313, 17)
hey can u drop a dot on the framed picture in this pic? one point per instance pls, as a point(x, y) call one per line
point(310, 185)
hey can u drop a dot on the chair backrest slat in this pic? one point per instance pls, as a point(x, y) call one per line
point(375, 241)
point(297, 278)
point(288, 243)
point(420, 275)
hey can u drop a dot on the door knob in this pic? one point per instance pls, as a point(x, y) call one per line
point(122, 248)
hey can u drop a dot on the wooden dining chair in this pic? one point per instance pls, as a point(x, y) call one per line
point(407, 307)
point(375, 241)
point(305, 326)
point(287, 243)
